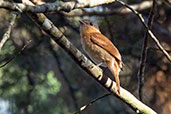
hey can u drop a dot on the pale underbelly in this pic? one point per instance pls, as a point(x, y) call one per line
point(98, 55)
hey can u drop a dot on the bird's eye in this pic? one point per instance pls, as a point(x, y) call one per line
point(91, 23)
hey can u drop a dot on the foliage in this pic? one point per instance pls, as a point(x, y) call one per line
point(39, 96)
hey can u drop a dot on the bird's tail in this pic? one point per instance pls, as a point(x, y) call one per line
point(115, 69)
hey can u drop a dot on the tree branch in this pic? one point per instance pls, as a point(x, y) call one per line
point(41, 9)
point(167, 2)
point(16, 54)
point(46, 25)
point(147, 28)
point(92, 102)
point(119, 11)
point(144, 52)
point(68, 6)
point(54, 7)
point(6, 35)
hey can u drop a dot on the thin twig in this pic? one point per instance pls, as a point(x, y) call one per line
point(6, 35)
point(147, 28)
point(92, 102)
point(144, 52)
point(16, 54)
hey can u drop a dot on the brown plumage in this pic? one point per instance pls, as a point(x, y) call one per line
point(100, 49)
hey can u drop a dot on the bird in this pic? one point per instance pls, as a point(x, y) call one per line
point(100, 49)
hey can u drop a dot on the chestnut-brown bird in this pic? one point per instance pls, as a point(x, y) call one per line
point(100, 49)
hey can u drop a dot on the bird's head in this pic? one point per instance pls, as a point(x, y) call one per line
point(88, 24)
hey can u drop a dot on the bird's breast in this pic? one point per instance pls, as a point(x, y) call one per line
point(95, 52)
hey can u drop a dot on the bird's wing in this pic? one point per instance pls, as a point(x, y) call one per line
point(102, 41)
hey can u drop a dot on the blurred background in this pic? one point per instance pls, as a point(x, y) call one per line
point(43, 79)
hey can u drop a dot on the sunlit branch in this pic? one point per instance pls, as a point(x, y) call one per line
point(119, 11)
point(54, 7)
point(7, 34)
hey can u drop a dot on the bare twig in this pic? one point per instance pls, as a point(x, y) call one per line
point(91, 103)
point(6, 35)
point(48, 27)
point(144, 52)
point(16, 54)
point(147, 28)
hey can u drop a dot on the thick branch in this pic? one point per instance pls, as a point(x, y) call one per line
point(56, 6)
point(119, 11)
point(47, 26)
point(68, 6)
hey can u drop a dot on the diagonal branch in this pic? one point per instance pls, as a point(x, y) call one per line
point(167, 2)
point(16, 54)
point(49, 28)
point(144, 52)
point(6, 36)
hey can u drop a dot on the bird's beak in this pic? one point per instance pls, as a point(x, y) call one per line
point(82, 22)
